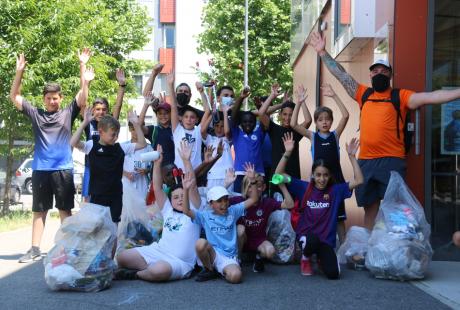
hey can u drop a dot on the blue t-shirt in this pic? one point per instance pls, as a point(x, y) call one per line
point(319, 216)
point(248, 148)
point(52, 133)
point(221, 229)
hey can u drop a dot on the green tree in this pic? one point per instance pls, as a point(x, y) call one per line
point(269, 42)
point(49, 33)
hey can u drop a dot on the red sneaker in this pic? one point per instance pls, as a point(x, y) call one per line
point(305, 267)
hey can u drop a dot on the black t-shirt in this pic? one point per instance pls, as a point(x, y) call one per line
point(164, 137)
point(276, 132)
point(106, 169)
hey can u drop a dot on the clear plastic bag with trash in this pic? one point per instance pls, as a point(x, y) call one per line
point(354, 249)
point(81, 259)
point(399, 246)
point(282, 236)
point(140, 224)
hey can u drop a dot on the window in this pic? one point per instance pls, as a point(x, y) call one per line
point(342, 16)
point(169, 36)
point(138, 84)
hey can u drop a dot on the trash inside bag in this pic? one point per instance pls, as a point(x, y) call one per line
point(140, 225)
point(399, 246)
point(81, 259)
point(282, 236)
point(355, 246)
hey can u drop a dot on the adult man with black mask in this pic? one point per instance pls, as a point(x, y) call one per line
point(381, 130)
point(183, 95)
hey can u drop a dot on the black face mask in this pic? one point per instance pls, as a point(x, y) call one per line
point(182, 99)
point(380, 82)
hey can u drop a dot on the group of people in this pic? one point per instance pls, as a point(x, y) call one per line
point(214, 166)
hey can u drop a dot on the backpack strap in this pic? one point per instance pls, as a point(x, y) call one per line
point(397, 105)
point(366, 95)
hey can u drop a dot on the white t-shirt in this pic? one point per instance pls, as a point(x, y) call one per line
point(219, 169)
point(193, 137)
point(133, 161)
point(179, 234)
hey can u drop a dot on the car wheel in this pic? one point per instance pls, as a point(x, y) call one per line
point(28, 186)
point(16, 197)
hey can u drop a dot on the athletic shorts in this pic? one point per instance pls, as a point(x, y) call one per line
point(376, 174)
point(57, 183)
point(221, 261)
point(153, 254)
point(114, 202)
point(85, 185)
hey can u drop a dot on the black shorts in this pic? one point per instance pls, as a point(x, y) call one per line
point(114, 202)
point(57, 183)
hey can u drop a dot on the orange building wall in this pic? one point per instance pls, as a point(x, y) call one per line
point(167, 11)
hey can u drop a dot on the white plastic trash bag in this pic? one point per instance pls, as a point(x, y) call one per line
point(355, 244)
point(399, 246)
point(282, 236)
point(81, 259)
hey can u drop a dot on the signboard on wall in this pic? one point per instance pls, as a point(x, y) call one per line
point(450, 128)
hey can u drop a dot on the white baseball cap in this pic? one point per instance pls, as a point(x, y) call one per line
point(216, 192)
point(381, 62)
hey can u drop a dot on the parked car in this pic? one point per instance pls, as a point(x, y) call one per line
point(24, 175)
point(15, 191)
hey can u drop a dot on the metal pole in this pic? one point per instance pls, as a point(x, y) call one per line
point(246, 13)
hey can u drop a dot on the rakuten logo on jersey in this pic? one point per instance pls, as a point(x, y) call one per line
point(317, 205)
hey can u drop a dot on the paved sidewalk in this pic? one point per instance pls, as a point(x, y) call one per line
point(280, 287)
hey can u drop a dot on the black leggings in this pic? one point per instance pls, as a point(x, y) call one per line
point(325, 254)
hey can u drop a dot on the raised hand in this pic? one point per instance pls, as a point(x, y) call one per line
point(121, 79)
point(88, 115)
point(245, 92)
point(188, 180)
point(84, 55)
point(157, 68)
point(250, 170)
point(21, 62)
point(275, 91)
point(185, 151)
point(208, 151)
point(89, 74)
point(199, 87)
point(327, 90)
point(286, 96)
point(352, 147)
point(162, 97)
point(151, 100)
point(220, 148)
point(132, 117)
point(288, 141)
point(230, 177)
point(318, 42)
point(301, 94)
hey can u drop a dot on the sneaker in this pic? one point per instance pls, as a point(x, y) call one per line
point(206, 275)
point(125, 274)
point(32, 255)
point(259, 265)
point(305, 267)
point(357, 262)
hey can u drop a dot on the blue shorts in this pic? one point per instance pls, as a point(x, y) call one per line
point(85, 185)
point(376, 174)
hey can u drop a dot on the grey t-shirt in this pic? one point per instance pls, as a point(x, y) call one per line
point(52, 133)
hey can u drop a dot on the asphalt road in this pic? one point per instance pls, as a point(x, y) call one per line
point(280, 287)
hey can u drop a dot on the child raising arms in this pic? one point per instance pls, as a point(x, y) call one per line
point(319, 203)
point(325, 143)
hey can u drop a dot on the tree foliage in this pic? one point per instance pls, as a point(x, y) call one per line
point(269, 42)
point(49, 33)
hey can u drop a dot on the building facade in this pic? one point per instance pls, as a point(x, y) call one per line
point(421, 39)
